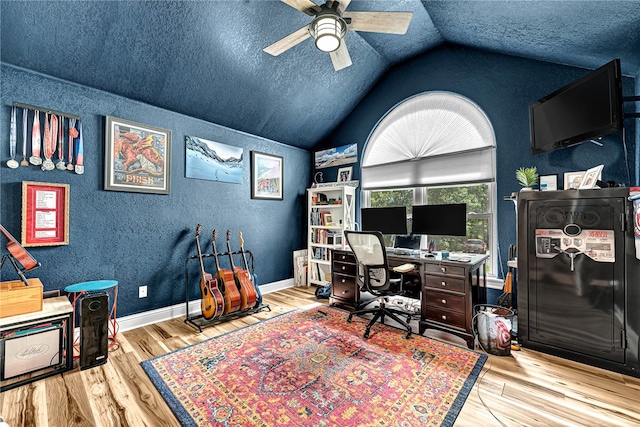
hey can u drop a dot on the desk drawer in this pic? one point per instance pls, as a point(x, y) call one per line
point(444, 282)
point(445, 301)
point(344, 268)
point(344, 287)
point(452, 318)
point(344, 257)
point(450, 270)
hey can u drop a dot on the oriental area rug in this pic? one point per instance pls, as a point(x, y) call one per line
point(310, 367)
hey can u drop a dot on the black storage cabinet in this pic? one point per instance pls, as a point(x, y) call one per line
point(570, 304)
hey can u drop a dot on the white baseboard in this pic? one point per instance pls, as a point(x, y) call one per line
point(139, 320)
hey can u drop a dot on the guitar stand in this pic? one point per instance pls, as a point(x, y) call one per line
point(198, 320)
point(19, 270)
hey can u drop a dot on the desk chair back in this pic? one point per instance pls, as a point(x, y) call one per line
point(371, 258)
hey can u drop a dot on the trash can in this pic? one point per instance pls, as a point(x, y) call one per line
point(492, 326)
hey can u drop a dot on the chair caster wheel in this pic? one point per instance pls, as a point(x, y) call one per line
point(366, 334)
point(408, 319)
point(408, 335)
point(349, 319)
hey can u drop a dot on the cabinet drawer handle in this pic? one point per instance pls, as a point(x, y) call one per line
point(444, 269)
point(344, 280)
point(444, 317)
point(443, 283)
point(444, 301)
point(343, 267)
point(344, 292)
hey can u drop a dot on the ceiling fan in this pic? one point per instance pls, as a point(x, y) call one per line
point(330, 24)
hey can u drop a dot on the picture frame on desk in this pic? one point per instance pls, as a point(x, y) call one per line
point(591, 176)
point(548, 182)
point(573, 180)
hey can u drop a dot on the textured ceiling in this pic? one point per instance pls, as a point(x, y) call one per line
point(205, 59)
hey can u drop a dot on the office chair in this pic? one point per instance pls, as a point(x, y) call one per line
point(373, 277)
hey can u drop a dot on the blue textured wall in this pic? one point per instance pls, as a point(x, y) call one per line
point(143, 239)
point(504, 87)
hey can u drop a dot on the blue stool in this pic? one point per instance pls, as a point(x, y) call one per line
point(111, 287)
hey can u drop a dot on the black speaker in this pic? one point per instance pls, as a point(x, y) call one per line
point(94, 330)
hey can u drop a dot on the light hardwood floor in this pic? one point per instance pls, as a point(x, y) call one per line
point(525, 389)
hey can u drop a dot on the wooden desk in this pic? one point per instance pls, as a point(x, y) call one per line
point(449, 290)
point(57, 311)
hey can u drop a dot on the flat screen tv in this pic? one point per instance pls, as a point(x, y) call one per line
point(588, 108)
point(389, 220)
point(440, 220)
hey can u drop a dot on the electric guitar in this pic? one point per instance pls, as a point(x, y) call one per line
point(247, 292)
point(246, 268)
point(212, 304)
point(18, 252)
point(227, 282)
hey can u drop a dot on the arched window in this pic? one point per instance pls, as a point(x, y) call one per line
point(435, 148)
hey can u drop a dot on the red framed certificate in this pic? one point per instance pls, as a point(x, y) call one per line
point(45, 214)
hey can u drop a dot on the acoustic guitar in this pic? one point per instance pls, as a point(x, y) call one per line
point(227, 282)
point(247, 292)
point(19, 253)
point(254, 282)
point(212, 304)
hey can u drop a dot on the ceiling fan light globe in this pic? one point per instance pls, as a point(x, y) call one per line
point(328, 32)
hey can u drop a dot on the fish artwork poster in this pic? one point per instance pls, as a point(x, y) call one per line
point(213, 161)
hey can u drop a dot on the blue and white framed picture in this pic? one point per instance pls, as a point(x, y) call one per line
point(213, 161)
point(337, 156)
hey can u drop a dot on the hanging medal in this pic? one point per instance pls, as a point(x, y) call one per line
point(79, 151)
point(60, 165)
point(12, 163)
point(35, 141)
point(73, 133)
point(25, 115)
point(50, 138)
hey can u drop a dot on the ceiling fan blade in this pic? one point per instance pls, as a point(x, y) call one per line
point(379, 22)
point(288, 42)
point(340, 57)
point(303, 6)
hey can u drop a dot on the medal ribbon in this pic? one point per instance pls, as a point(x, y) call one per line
point(25, 115)
point(35, 140)
point(79, 148)
point(61, 139)
point(12, 137)
point(48, 148)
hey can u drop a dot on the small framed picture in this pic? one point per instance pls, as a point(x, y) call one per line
point(548, 182)
point(328, 220)
point(266, 176)
point(572, 180)
point(344, 174)
point(591, 176)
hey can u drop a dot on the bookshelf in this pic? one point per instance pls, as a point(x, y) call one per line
point(331, 210)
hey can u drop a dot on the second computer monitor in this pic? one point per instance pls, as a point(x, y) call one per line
point(388, 220)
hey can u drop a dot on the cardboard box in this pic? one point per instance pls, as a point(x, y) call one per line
point(18, 298)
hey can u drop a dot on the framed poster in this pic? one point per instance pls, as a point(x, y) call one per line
point(45, 214)
point(572, 180)
point(548, 182)
point(266, 176)
point(137, 157)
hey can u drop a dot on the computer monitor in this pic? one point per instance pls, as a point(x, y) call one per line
point(388, 220)
point(440, 220)
point(407, 241)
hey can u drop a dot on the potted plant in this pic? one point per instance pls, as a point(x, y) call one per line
point(527, 177)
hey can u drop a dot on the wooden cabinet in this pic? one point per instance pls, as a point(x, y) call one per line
point(450, 289)
point(344, 288)
point(331, 211)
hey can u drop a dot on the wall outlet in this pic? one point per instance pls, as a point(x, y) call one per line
point(142, 292)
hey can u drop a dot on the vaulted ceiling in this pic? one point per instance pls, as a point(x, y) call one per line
point(205, 59)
